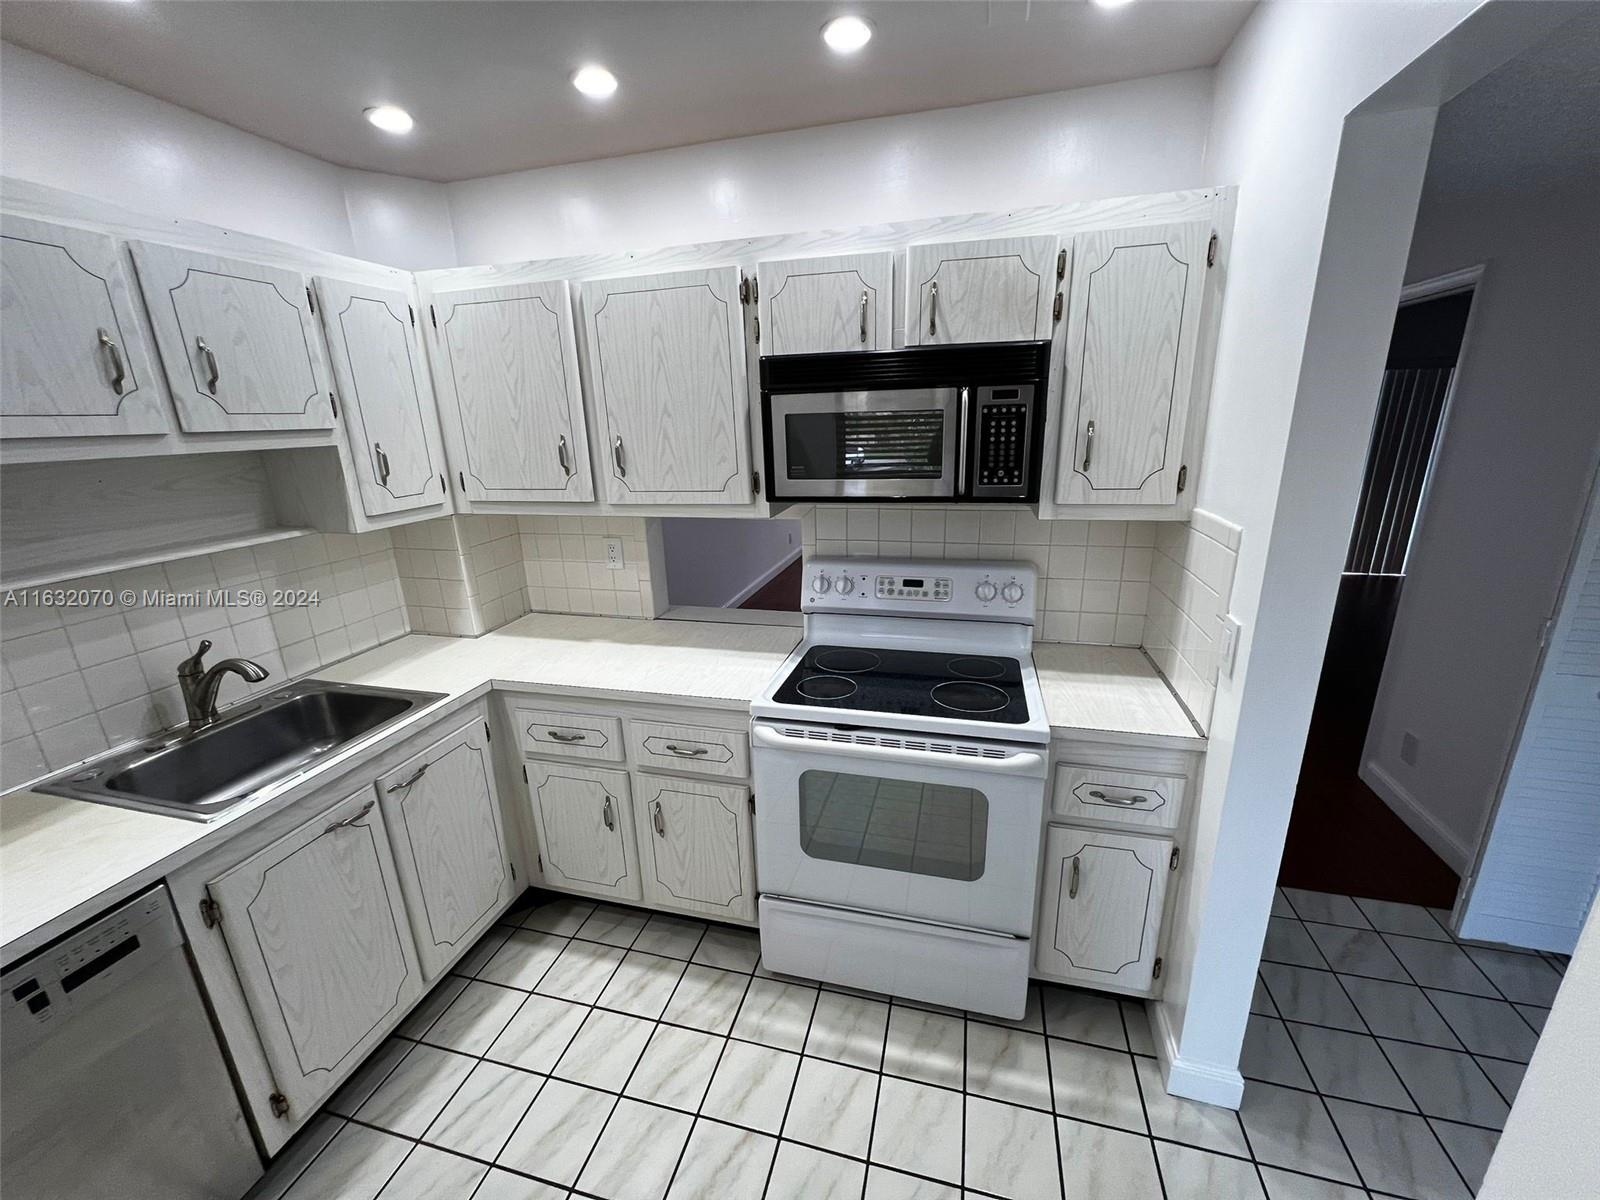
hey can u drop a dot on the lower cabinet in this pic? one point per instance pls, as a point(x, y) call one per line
point(696, 846)
point(583, 819)
point(443, 814)
point(1101, 903)
point(317, 932)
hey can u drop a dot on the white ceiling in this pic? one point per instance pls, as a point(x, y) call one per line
point(489, 85)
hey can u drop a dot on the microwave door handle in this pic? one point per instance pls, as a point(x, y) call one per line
point(1021, 763)
point(961, 443)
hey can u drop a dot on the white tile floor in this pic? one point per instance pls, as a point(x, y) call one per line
point(598, 1051)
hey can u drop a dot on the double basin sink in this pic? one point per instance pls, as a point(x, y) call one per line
point(200, 774)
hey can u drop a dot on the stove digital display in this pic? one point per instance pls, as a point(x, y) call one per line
point(895, 587)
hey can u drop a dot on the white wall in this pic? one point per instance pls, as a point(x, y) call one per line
point(713, 563)
point(1120, 139)
point(1503, 507)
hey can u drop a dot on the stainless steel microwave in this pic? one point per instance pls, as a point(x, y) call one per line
point(940, 423)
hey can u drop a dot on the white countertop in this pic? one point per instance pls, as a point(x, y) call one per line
point(62, 860)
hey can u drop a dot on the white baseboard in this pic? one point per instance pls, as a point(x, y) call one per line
point(1418, 819)
point(763, 579)
point(1209, 1083)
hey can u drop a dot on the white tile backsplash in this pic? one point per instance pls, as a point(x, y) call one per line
point(564, 559)
point(1191, 586)
point(79, 680)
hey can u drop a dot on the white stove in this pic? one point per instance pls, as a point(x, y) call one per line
point(900, 757)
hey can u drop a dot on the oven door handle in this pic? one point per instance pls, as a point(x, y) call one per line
point(1023, 762)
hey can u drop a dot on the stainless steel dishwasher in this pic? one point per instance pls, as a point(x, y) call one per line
point(112, 1081)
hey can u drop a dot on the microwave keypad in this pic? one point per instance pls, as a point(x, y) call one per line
point(1002, 445)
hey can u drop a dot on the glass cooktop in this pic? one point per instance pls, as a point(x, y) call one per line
point(913, 683)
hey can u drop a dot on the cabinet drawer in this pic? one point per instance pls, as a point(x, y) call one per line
point(1085, 793)
point(569, 735)
point(690, 748)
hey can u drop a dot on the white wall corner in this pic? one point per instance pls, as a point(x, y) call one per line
point(1415, 814)
point(1209, 1083)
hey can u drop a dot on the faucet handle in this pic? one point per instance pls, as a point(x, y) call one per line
point(192, 665)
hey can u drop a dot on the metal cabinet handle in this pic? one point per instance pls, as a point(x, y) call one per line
point(557, 736)
point(561, 455)
point(211, 364)
point(660, 821)
point(933, 309)
point(619, 457)
point(605, 815)
point(1088, 446)
point(114, 352)
point(405, 783)
point(1129, 800)
point(351, 820)
point(383, 464)
point(1072, 891)
point(863, 318)
point(687, 751)
point(963, 415)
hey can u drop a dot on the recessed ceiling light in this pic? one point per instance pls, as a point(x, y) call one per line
point(390, 119)
point(846, 35)
point(595, 82)
point(1112, 3)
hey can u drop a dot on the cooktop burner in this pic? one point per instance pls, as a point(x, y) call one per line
point(908, 682)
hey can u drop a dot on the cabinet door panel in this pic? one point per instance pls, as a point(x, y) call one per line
point(389, 412)
point(443, 814)
point(1132, 325)
point(317, 932)
point(699, 852)
point(74, 359)
point(1101, 906)
point(584, 823)
point(822, 305)
point(999, 290)
point(667, 367)
point(238, 341)
point(506, 362)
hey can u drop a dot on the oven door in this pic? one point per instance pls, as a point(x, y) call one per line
point(882, 444)
point(853, 821)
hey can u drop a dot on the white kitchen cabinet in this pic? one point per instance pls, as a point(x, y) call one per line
point(1101, 901)
point(583, 819)
point(74, 357)
point(444, 819)
point(506, 363)
point(996, 290)
point(1133, 327)
point(668, 374)
point(389, 412)
point(316, 930)
point(697, 848)
point(821, 305)
point(238, 341)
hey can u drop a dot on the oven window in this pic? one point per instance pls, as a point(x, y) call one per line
point(918, 828)
point(899, 444)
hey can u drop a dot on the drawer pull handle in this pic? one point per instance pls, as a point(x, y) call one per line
point(660, 821)
point(1077, 870)
point(114, 353)
point(557, 736)
point(605, 815)
point(687, 751)
point(405, 783)
point(351, 820)
point(1124, 800)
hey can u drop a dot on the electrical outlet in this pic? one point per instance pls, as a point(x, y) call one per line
point(613, 554)
point(1228, 650)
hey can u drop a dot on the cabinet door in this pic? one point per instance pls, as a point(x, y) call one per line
point(506, 363)
point(317, 932)
point(820, 305)
point(1132, 324)
point(699, 853)
point(1000, 290)
point(389, 411)
point(1100, 907)
point(584, 823)
point(238, 341)
point(74, 361)
point(444, 819)
point(666, 362)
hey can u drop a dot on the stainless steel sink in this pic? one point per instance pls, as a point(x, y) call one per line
point(201, 774)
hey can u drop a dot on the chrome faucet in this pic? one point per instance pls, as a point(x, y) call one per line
point(200, 685)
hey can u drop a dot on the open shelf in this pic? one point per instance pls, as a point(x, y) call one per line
point(146, 556)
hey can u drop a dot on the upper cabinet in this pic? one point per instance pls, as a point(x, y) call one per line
point(506, 365)
point(74, 360)
point(668, 374)
point(1133, 324)
point(389, 410)
point(238, 341)
point(999, 290)
point(822, 305)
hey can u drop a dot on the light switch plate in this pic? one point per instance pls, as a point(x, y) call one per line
point(613, 554)
point(1228, 651)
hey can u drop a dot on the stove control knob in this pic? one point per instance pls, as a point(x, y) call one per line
point(822, 585)
point(986, 591)
point(1012, 592)
point(845, 586)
